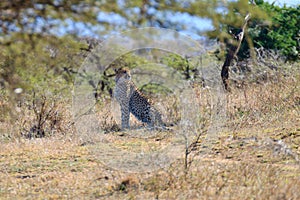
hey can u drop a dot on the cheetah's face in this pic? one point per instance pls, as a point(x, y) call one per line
point(123, 74)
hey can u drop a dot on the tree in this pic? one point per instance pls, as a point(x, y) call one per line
point(281, 34)
point(30, 27)
point(232, 50)
point(41, 40)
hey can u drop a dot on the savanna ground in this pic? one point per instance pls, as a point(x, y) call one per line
point(255, 156)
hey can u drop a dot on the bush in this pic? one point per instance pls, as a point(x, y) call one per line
point(281, 34)
point(44, 115)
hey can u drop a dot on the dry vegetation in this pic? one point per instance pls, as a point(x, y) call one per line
point(256, 155)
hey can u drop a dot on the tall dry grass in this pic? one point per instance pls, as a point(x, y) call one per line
point(272, 101)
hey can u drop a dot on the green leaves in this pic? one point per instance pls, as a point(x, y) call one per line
point(283, 33)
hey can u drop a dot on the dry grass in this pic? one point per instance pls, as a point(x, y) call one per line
point(275, 103)
point(245, 168)
point(256, 156)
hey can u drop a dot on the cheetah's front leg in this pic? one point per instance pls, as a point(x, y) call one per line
point(125, 114)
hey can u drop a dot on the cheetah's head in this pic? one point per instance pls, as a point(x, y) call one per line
point(122, 74)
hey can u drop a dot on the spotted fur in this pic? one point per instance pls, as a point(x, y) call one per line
point(134, 101)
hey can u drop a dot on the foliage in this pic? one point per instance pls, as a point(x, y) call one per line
point(49, 65)
point(42, 16)
point(282, 34)
point(178, 63)
point(42, 49)
point(30, 30)
point(46, 69)
point(152, 89)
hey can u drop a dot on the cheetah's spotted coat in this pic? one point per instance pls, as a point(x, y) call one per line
point(134, 101)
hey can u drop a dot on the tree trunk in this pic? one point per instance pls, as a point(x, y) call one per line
point(231, 53)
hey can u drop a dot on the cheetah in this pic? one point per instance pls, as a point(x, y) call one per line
point(132, 100)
